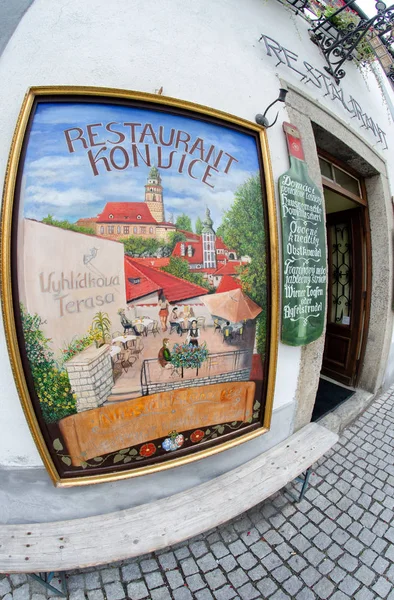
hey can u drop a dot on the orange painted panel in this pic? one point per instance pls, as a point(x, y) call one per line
point(113, 427)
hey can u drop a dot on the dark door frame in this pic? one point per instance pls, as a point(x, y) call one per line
point(365, 232)
point(340, 358)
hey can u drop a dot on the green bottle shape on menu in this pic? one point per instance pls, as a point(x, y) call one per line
point(304, 265)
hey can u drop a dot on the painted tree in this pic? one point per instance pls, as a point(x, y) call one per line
point(51, 381)
point(184, 222)
point(243, 230)
point(173, 238)
point(50, 220)
point(180, 268)
point(198, 226)
point(102, 325)
point(141, 247)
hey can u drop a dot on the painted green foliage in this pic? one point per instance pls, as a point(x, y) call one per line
point(187, 356)
point(198, 226)
point(51, 382)
point(49, 220)
point(78, 344)
point(173, 238)
point(243, 229)
point(140, 247)
point(102, 325)
point(180, 268)
point(184, 222)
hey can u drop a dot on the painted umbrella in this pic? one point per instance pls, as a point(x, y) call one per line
point(233, 306)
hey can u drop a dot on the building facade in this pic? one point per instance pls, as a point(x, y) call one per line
point(120, 220)
point(235, 60)
point(208, 254)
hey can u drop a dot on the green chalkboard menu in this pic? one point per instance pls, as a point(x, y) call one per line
point(304, 265)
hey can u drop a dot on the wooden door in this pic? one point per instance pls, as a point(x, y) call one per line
point(346, 295)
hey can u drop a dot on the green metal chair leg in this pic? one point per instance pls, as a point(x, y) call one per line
point(45, 579)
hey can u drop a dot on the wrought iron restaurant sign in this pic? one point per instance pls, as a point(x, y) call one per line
point(304, 251)
point(310, 75)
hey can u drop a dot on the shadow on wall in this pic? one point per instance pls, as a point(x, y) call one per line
point(10, 15)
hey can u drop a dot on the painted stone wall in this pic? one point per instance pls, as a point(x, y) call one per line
point(241, 375)
point(90, 374)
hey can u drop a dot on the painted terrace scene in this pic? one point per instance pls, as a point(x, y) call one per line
point(146, 321)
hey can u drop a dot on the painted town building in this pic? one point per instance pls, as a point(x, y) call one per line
point(120, 220)
point(234, 58)
point(208, 254)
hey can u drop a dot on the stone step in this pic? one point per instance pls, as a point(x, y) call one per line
point(121, 397)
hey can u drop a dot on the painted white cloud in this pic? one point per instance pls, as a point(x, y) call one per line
point(51, 196)
point(222, 182)
point(64, 115)
point(71, 213)
point(56, 162)
point(66, 181)
point(198, 196)
point(126, 189)
point(56, 169)
point(180, 203)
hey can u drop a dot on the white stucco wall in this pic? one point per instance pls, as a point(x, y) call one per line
point(205, 52)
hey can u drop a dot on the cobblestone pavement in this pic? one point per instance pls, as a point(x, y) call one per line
point(338, 543)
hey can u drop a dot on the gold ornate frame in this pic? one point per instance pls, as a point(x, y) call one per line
point(6, 278)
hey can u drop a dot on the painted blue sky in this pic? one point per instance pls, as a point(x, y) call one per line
point(62, 184)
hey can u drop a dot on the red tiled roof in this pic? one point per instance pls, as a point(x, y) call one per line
point(228, 283)
point(190, 236)
point(197, 252)
point(84, 219)
point(230, 268)
point(221, 245)
point(158, 263)
point(137, 290)
point(126, 212)
point(174, 288)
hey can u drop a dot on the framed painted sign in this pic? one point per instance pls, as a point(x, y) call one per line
point(139, 280)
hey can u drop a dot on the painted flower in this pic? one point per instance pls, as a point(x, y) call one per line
point(179, 440)
point(173, 442)
point(168, 445)
point(197, 436)
point(147, 449)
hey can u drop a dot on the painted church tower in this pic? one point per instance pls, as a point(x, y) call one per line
point(154, 195)
point(208, 242)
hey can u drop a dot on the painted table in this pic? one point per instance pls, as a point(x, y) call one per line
point(124, 339)
point(145, 321)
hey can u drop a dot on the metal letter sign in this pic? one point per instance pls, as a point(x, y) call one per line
point(304, 249)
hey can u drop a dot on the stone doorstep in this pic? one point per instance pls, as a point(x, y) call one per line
point(340, 418)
